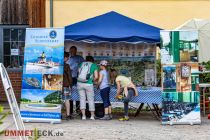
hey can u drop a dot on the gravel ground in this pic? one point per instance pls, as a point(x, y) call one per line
point(143, 127)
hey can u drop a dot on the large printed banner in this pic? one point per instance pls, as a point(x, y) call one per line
point(133, 60)
point(42, 75)
point(179, 59)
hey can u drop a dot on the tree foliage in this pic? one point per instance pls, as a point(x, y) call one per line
point(54, 98)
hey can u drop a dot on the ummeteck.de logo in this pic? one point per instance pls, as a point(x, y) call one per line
point(33, 133)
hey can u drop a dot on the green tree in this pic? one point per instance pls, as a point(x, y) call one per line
point(25, 100)
point(205, 78)
point(54, 98)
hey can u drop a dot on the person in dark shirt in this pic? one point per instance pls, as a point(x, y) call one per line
point(67, 84)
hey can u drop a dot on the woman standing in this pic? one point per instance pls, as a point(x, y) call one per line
point(103, 83)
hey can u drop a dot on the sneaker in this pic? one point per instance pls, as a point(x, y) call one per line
point(83, 117)
point(124, 119)
point(70, 117)
point(92, 118)
point(106, 117)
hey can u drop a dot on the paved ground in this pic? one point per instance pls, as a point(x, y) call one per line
point(144, 127)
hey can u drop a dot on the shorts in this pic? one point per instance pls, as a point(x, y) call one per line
point(66, 93)
point(105, 96)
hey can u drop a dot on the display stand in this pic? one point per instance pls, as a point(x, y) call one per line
point(180, 68)
point(42, 76)
point(12, 101)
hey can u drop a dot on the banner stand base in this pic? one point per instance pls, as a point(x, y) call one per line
point(181, 123)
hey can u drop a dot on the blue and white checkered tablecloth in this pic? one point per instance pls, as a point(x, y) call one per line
point(151, 95)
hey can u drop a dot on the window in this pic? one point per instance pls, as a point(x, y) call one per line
point(12, 45)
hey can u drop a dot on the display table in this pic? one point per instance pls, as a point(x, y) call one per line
point(150, 96)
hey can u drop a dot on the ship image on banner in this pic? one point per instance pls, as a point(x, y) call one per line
point(42, 75)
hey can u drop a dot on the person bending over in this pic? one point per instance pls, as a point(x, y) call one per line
point(125, 90)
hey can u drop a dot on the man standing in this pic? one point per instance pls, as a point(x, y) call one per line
point(74, 62)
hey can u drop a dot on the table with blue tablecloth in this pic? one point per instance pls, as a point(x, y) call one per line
point(149, 95)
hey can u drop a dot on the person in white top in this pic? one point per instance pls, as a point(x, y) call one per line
point(103, 84)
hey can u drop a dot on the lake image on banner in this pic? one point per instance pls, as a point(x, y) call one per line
point(43, 100)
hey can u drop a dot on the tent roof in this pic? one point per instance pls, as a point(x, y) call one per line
point(112, 27)
point(203, 28)
point(195, 24)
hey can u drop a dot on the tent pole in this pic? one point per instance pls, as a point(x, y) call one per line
point(51, 13)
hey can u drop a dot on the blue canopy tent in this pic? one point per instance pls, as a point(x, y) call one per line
point(112, 27)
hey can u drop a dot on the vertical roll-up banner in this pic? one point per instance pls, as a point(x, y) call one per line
point(42, 75)
point(180, 77)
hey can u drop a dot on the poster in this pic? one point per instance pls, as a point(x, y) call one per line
point(42, 75)
point(166, 49)
point(149, 76)
point(169, 77)
point(133, 60)
point(181, 108)
point(184, 77)
point(14, 51)
point(188, 46)
point(179, 46)
point(179, 59)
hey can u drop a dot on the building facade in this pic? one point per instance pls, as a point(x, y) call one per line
point(165, 14)
point(15, 17)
